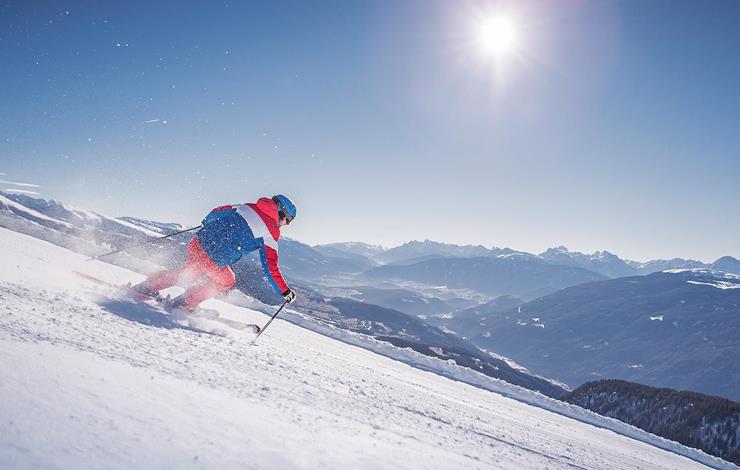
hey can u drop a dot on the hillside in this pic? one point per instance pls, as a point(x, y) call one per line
point(676, 329)
point(697, 420)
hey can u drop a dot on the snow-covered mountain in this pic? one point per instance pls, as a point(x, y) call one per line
point(99, 381)
point(676, 329)
point(657, 265)
point(613, 266)
point(601, 262)
point(56, 215)
point(727, 264)
point(417, 249)
point(352, 248)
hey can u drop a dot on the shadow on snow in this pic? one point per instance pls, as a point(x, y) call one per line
point(145, 314)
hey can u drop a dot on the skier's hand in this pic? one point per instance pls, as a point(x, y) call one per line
point(289, 296)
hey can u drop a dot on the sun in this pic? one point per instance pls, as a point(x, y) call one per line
point(498, 35)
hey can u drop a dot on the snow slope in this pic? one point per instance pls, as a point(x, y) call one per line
point(89, 379)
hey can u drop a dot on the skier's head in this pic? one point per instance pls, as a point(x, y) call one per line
point(286, 208)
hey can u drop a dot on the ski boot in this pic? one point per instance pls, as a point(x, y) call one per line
point(145, 292)
point(177, 308)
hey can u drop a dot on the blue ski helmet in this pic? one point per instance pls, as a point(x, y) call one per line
point(286, 208)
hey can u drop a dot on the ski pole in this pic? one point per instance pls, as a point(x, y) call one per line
point(262, 330)
point(145, 242)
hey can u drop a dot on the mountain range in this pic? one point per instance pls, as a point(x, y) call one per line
point(677, 329)
point(601, 262)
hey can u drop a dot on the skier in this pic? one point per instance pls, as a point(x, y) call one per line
point(228, 233)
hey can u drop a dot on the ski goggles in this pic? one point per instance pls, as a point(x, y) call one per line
point(283, 211)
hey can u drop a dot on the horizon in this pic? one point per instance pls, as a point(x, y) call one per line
point(600, 126)
point(536, 253)
point(35, 194)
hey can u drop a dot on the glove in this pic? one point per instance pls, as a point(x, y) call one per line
point(289, 296)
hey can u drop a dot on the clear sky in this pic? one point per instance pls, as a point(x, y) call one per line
point(609, 125)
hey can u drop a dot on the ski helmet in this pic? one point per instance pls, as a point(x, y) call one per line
point(286, 208)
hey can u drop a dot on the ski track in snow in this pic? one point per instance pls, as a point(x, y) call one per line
point(91, 379)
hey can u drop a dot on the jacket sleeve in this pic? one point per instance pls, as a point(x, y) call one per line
point(269, 258)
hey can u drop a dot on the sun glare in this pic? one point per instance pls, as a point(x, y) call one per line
point(498, 35)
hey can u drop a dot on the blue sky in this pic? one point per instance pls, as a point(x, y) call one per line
point(615, 126)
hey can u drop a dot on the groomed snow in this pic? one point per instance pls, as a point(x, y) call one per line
point(92, 380)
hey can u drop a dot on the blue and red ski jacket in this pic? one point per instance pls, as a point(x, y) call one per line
point(229, 232)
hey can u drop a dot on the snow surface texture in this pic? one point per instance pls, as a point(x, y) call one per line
point(91, 379)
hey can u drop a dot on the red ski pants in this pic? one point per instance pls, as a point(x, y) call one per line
point(198, 263)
